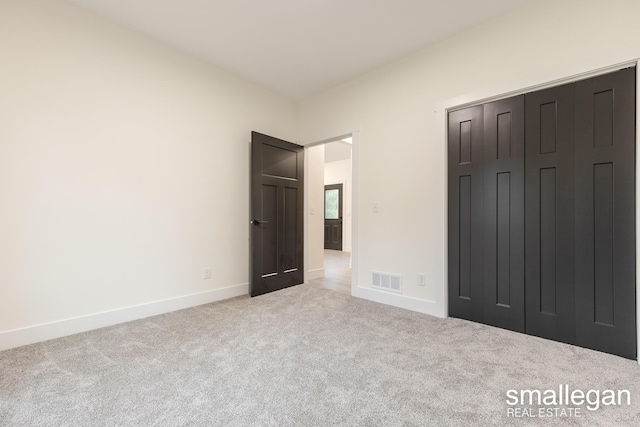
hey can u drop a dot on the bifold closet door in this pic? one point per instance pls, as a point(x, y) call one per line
point(605, 213)
point(549, 232)
point(486, 213)
point(466, 175)
point(570, 200)
point(504, 213)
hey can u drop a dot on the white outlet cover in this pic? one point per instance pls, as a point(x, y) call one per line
point(207, 273)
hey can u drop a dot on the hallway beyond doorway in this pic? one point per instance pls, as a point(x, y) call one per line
point(337, 272)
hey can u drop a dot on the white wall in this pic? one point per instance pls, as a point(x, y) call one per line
point(339, 172)
point(314, 215)
point(401, 149)
point(124, 170)
point(337, 150)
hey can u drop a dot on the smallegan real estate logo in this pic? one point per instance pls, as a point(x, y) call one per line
point(562, 402)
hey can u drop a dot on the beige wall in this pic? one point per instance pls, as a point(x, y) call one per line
point(314, 215)
point(401, 150)
point(124, 167)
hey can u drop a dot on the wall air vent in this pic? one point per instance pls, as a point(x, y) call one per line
point(387, 281)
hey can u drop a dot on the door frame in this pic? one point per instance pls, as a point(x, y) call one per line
point(354, 134)
point(556, 77)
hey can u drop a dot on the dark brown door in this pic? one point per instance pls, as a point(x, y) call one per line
point(466, 214)
point(504, 213)
point(605, 213)
point(333, 217)
point(549, 229)
point(277, 178)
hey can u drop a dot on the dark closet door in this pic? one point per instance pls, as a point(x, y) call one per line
point(466, 175)
point(576, 185)
point(549, 233)
point(605, 213)
point(504, 213)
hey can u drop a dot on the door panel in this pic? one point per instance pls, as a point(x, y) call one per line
point(333, 207)
point(549, 192)
point(276, 207)
point(267, 236)
point(464, 230)
point(466, 175)
point(605, 213)
point(290, 220)
point(504, 213)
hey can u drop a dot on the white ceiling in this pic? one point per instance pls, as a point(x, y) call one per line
point(299, 48)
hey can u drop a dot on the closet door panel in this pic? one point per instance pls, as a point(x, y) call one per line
point(465, 213)
point(605, 213)
point(504, 213)
point(549, 201)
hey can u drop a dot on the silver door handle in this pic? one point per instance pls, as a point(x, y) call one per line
point(258, 221)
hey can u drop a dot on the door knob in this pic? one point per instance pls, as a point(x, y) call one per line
point(258, 221)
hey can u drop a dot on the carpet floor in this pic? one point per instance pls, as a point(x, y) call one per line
point(303, 356)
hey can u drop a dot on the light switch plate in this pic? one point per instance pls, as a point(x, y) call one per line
point(422, 279)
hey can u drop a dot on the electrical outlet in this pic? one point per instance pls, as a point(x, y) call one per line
point(313, 210)
point(422, 279)
point(206, 273)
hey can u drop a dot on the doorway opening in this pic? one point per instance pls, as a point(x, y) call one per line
point(329, 215)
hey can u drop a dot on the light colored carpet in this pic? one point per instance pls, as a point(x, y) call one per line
point(304, 356)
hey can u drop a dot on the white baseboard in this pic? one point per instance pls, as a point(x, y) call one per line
point(401, 301)
point(62, 328)
point(318, 273)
